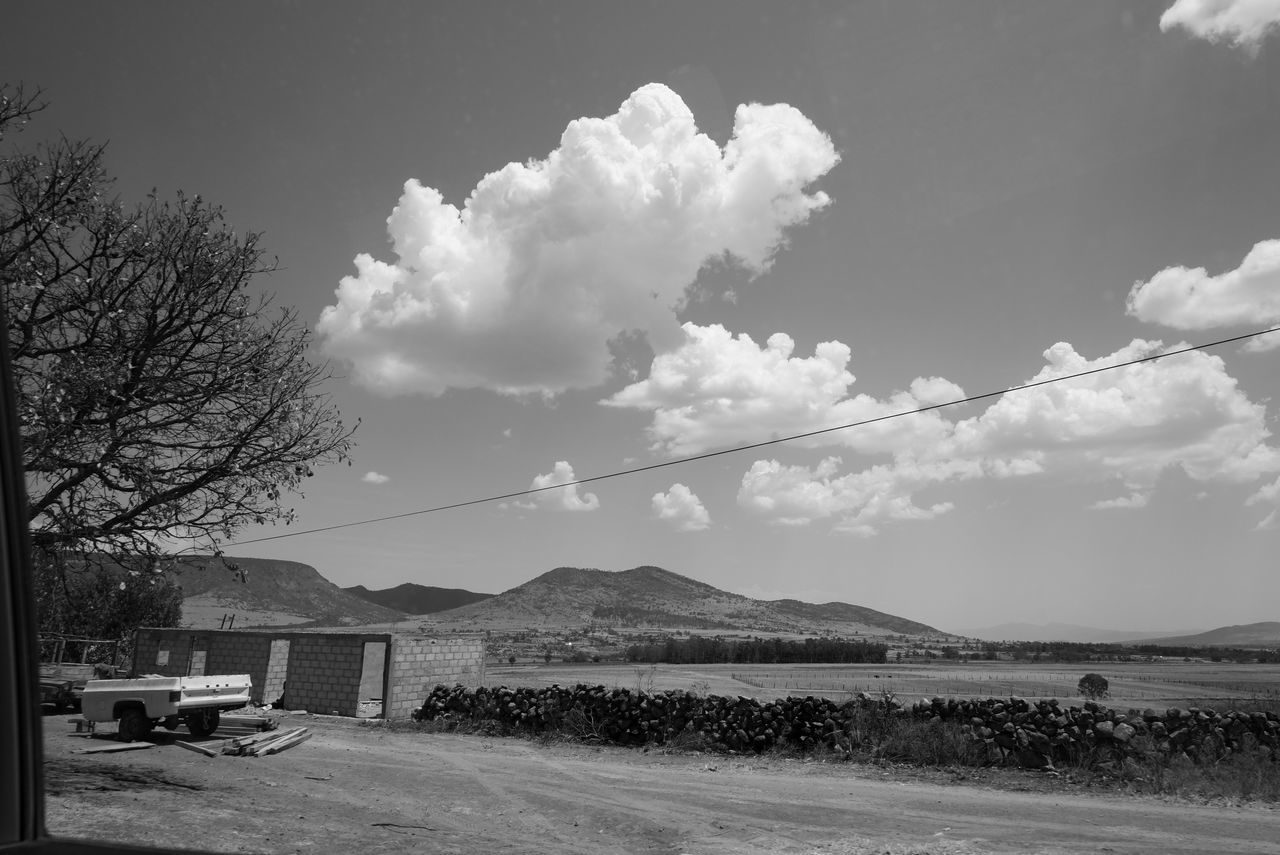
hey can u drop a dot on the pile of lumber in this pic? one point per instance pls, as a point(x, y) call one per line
point(270, 742)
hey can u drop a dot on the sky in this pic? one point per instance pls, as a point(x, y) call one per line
point(548, 241)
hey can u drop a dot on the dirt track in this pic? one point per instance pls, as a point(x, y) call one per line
point(358, 789)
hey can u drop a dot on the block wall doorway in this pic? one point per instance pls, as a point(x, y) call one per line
point(373, 680)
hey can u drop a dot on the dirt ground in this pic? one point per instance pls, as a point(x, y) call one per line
point(360, 787)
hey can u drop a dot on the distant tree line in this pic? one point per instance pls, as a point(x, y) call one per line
point(697, 650)
point(1072, 651)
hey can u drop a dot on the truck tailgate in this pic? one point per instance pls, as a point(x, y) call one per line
point(221, 691)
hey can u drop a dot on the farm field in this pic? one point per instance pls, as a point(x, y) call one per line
point(1137, 684)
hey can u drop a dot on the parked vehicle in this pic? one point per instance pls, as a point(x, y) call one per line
point(59, 694)
point(142, 703)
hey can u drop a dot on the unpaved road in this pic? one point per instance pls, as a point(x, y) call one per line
point(355, 789)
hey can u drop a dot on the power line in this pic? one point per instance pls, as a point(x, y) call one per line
point(740, 448)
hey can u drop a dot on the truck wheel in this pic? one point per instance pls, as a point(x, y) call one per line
point(202, 723)
point(169, 722)
point(134, 725)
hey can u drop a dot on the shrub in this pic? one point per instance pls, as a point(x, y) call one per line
point(1093, 686)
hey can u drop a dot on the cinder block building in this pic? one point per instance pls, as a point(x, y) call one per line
point(322, 672)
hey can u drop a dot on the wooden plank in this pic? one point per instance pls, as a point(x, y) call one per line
point(284, 744)
point(256, 722)
point(246, 744)
point(119, 746)
point(199, 749)
point(261, 747)
point(262, 737)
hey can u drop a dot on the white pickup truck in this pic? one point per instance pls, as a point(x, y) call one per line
point(142, 703)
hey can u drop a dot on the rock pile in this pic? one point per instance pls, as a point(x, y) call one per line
point(1034, 734)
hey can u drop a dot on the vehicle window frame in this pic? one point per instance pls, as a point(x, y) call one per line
point(22, 817)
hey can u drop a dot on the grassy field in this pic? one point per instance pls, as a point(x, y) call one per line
point(1156, 684)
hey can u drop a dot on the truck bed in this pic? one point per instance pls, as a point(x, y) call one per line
point(164, 696)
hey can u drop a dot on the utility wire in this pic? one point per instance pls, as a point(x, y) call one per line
point(736, 449)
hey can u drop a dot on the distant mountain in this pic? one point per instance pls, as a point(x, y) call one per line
point(266, 592)
point(1263, 634)
point(1055, 632)
point(414, 599)
point(653, 597)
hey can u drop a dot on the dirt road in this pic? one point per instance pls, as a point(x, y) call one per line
point(363, 789)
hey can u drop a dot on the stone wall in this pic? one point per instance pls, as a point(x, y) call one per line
point(418, 664)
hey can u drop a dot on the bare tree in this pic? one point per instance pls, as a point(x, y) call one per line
point(161, 402)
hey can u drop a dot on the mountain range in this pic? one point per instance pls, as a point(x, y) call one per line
point(1262, 634)
point(266, 592)
point(1057, 632)
point(414, 599)
point(263, 592)
point(654, 597)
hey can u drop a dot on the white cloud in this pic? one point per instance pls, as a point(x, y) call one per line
point(1241, 23)
point(859, 501)
point(682, 508)
point(563, 499)
point(719, 390)
point(375, 478)
point(1191, 299)
point(1133, 500)
point(520, 290)
point(1184, 411)
point(1181, 411)
point(1268, 495)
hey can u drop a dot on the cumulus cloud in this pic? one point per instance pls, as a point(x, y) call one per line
point(1184, 411)
point(375, 478)
point(1191, 299)
point(1240, 23)
point(1133, 500)
point(521, 289)
point(1137, 421)
point(682, 508)
point(564, 499)
point(860, 501)
point(717, 389)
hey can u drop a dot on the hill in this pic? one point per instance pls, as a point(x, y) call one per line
point(654, 597)
point(1263, 634)
point(414, 599)
point(1055, 632)
point(267, 592)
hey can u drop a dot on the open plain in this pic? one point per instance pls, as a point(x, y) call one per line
point(375, 788)
point(1132, 684)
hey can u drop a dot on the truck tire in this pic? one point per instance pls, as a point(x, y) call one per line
point(134, 725)
point(204, 722)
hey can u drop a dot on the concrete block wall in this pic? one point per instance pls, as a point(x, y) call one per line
point(234, 653)
point(324, 673)
point(317, 672)
point(419, 664)
point(162, 651)
point(277, 671)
